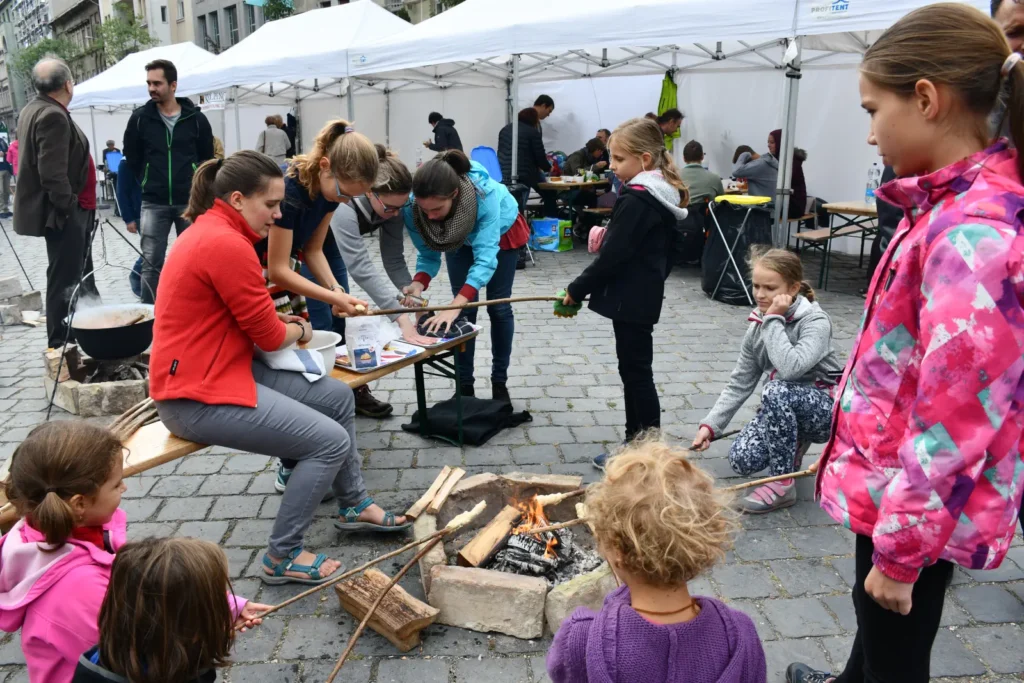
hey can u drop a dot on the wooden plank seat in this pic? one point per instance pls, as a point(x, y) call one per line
point(825, 234)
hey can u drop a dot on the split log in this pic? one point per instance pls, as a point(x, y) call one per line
point(420, 505)
point(446, 489)
point(490, 539)
point(400, 617)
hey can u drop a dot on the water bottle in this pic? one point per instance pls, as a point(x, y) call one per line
point(874, 180)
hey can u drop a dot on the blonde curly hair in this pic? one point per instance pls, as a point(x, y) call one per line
point(661, 513)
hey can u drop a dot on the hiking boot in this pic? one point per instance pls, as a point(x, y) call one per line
point(281, 483)
point(499, 392)
point(368, 406)
point(770, 497)
point(801, 673)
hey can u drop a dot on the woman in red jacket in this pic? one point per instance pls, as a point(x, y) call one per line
point(213, 308)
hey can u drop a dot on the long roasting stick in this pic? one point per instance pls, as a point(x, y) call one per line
point(453, 526)
point(457, 523)
point(373, 608)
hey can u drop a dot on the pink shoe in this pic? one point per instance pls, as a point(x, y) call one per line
point(773, 496)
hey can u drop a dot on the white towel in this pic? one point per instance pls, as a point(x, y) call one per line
point(309, 363)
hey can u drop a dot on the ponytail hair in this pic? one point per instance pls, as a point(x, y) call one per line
point(351, 155)
point(787, 264)
point(393, 176)
point(246, 171)
point(57, 461)
point(639, 136)
point(440, 176)
point(958, 46)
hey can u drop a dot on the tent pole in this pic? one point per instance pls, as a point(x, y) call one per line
point(785, 183)
point(351, 103)
point(238, 121)
point(92, 123)
point(387, 117)
point(514, 97)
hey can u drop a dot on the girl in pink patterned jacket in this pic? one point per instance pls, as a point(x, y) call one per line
point(924, 462)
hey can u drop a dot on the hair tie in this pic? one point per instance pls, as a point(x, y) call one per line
point(1009, 63)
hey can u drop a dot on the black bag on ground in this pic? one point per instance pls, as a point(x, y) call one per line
point(758, 230)
point(482, 418)
point(688, 248)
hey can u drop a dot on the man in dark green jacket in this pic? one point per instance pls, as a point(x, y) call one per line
point(165, 141)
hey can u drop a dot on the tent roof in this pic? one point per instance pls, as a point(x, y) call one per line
point(310, 45)
point(557, 39)
point(125, 82)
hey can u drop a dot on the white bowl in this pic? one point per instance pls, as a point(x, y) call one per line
point(326, 344)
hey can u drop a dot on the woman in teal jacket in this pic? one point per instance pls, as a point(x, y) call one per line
point(461, 212)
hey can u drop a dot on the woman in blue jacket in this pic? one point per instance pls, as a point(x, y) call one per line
point(461, 212)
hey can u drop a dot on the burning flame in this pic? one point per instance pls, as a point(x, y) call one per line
point(533, 517)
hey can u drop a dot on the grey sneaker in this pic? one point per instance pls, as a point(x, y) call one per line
point(801, 673)
point(770, 497)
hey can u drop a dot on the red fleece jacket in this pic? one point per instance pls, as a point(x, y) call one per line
point(212, 306)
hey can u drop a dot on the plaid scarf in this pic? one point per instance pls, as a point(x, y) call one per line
point(449, 234)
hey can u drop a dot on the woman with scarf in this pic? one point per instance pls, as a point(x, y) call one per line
point(474, 221)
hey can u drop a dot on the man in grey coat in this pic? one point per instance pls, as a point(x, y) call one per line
point(54, 199)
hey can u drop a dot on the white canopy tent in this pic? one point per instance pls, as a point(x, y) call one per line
point(539, 40)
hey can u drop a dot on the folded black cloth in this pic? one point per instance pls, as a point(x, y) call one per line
point(459, 327)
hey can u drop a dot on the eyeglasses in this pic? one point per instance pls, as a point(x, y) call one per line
point(342, 195)
point(386, 208)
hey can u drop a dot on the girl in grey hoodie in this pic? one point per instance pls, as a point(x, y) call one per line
point(790, 338)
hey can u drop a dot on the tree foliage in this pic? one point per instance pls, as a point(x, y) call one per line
point(26, 58)
point(277, 9)
point(119, 37)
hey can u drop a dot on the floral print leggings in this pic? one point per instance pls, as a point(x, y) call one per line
point(790, 413)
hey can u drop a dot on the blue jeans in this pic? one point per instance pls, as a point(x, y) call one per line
point(320, 316)
point(503, 323)
point(155, 227)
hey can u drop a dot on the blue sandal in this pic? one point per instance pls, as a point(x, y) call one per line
point(288, 565)
point(351, 522)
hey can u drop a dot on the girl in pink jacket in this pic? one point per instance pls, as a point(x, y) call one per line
point(65, 481)
point(924, 461)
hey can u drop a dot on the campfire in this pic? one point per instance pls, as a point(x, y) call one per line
point(510, 544)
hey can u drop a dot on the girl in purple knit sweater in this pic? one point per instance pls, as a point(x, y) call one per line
point(660, 523)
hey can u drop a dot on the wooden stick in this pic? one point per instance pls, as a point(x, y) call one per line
point(446, 489)
point(420, 505)
point(768, 480)
point(369, 614)
point(457, 523)
point(556, 527)
point(472, 304)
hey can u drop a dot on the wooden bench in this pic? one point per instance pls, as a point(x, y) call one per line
point(153, 445)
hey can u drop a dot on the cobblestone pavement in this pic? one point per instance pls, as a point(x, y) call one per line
point(791, 571)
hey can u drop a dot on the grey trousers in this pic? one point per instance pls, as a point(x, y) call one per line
point(311, 423)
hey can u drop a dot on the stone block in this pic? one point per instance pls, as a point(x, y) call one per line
point(9, 287)
point(421, 528)
point(586, 590)
point(484, 600)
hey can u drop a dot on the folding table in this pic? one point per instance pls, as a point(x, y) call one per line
point(739, 200)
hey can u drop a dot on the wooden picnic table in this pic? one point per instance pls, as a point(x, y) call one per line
point(153, 445)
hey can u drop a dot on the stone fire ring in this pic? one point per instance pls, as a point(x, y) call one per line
point(487, 600)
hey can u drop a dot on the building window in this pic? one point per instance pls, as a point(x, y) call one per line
point(231, 14)
point(181, 10)
point(163, 13)
point(250, 18)
point(215, 29)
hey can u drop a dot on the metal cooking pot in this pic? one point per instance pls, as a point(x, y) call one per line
point(104, 332)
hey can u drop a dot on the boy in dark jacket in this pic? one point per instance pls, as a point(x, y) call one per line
point(626, 282)
point(165, 141)
point(445, 135)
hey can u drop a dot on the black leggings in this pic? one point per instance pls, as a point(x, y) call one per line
point(890, 647)
point(634, 345)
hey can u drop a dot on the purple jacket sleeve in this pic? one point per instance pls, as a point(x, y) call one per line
point(567, 658)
